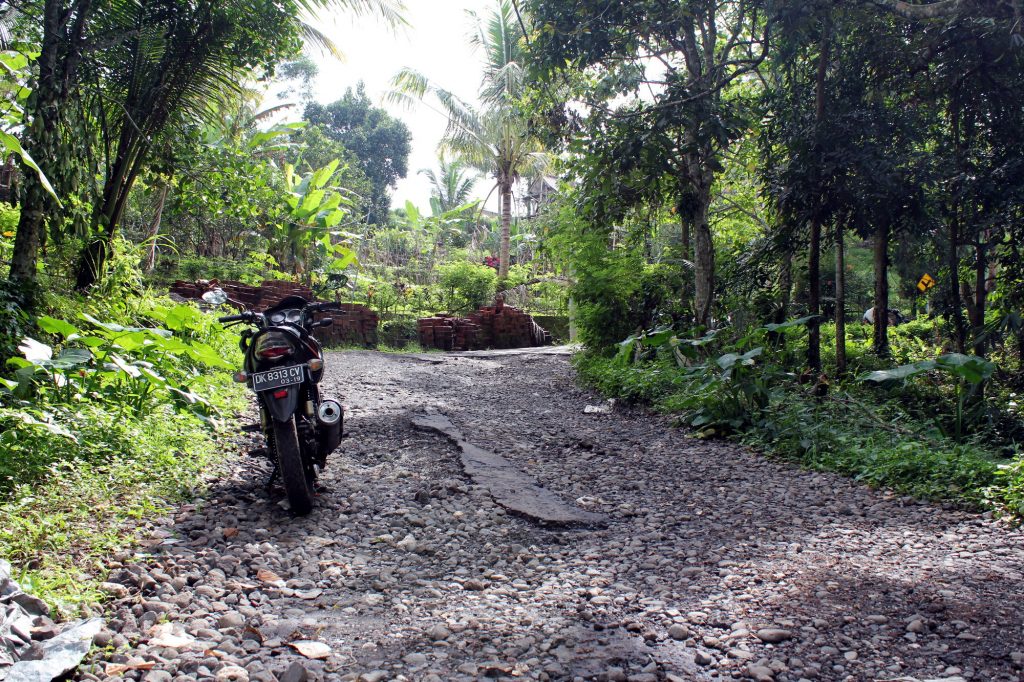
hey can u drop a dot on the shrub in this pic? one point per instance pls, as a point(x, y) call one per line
point(14, 321)
point(467, 286)
point(398, 332)
point(738, 386)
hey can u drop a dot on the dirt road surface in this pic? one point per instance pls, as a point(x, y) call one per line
point(711, 562)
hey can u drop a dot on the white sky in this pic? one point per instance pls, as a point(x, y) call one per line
point(436, 43)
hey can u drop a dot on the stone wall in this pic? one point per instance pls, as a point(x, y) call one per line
point(352, 324)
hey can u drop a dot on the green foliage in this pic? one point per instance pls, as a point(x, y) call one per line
point(380, 142)
point(104, 420)
point(254, 269)
point(14, 321)
point(314, 211)
point(398, 332)
point(466, 286)
point(970, 372)
point(1008, 492)
point(739, 386)
point(123, 368)
point(14, 93)
point(68, 501)
point(616, 292)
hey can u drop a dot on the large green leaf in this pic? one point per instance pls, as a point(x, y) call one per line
point(52, 325)
point(182, 317)
point(125, 366)
point(35, 352)
point(320, 177)
point(72, 357)
point(788, 324)
point(898, 373)
point(13, 145)
point(132, 341)
point(201, 352)
point(729, 360)
point(970, 368)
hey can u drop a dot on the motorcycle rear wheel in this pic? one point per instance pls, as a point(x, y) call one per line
point(298, 477)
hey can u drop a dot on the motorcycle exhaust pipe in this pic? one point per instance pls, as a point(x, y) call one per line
point(330, 416)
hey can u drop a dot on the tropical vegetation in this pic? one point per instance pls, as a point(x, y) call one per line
point(792, 224)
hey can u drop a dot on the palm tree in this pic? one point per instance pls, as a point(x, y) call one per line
point(452, 187)
point(177, 68)
point(493, 138)
point(142, 66)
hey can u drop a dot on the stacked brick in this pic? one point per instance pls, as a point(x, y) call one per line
point(353, 324)
point(490, 327)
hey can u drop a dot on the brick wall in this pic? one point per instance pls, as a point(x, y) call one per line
point(499, 326)
point(353, 324)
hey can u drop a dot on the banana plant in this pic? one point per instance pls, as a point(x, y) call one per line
point(314, 211)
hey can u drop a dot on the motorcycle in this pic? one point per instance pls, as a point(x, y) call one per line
point(284, 364)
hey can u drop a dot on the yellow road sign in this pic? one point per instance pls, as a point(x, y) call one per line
point(926, 282)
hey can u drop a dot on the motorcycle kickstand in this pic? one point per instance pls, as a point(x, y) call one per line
point(274, 475)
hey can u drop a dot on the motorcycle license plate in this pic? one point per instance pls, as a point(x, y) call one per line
point(278, 378)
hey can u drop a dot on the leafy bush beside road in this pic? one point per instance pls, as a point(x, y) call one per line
point(934, 440)
point(106, 416)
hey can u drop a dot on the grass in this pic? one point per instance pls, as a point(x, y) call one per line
point(58, 529)
point(82, 470)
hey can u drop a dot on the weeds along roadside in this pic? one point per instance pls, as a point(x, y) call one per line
point(925, 430)
point(111, 410)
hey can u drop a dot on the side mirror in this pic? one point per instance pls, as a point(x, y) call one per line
point(325, 322)
point(215, 296)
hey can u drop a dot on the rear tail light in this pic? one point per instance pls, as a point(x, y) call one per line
point(283, 393)
point(274, 345)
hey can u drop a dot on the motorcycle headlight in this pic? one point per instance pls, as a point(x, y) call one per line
point(274, 345)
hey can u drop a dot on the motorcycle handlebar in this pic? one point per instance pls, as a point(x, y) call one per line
point(234, 318)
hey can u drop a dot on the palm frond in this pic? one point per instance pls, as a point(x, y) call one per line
point(390, 11)
point(311, 35)
point(408, 87)
point(500, 40)
point(270, 112)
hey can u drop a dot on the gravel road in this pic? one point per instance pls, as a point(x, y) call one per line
point(714, 563)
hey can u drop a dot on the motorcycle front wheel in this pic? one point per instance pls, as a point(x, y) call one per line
point(298, 478)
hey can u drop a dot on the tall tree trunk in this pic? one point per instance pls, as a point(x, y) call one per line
point(55, 69)
point(955, 301)
point(684, 237)
point(785, 286)
point(840, 301)
point(30, 228)
point(881, 253)
point(814, 296)
point(154, 229)
point(814, 254)
point(131, 154)
point(686, 254)
point(506, 228)
point(980, 294)
point(953, 253)
point(703, 258)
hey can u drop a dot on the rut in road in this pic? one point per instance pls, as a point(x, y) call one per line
point(714, 562)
